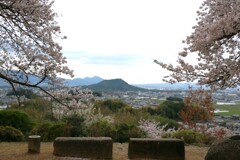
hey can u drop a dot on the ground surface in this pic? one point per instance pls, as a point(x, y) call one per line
point(18, 151)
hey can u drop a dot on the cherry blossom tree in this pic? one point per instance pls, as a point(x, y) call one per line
point(72, 98)
point(75, 101)
point(28, 43)
point(215, 42)
point(219, 132)
point(154, 129)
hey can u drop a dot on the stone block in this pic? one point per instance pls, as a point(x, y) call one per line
point(161, 149)
point(34, 144)
point(83, 147)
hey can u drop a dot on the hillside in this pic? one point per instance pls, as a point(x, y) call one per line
point(113, 85)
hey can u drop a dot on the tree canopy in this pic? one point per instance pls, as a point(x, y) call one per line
point(28, 43)
point(215, 41)
point(198, 107)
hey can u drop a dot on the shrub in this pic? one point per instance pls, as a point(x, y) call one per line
point(100, 129)
point(76, 124)
point(208, 139)
point(10, 134)
point(136, 132)
point(113, 104)
point(49, 131)
point(37, 108)
point(189, 136)
point(122, 132)
point(163, 121)
point(170, 109)
point(17, 119)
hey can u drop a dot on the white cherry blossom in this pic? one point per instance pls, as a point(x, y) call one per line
point(215, 41)
point(28, 43)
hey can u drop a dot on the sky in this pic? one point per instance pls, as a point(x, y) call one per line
point(121, 38)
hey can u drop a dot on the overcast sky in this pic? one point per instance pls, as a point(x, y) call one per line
point(121, 38)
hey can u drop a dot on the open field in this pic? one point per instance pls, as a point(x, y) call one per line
point(233, 109)
point(18, 151)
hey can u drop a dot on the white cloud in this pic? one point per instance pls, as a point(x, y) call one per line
point(120, 39)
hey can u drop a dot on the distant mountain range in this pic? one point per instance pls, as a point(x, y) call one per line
point(68, 82)
point(98, 83)
point(83, 81)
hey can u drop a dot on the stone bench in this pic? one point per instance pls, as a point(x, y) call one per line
point(83, 147)
point(162, 149)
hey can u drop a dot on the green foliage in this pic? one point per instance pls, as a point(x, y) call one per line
point(100, 129)
point(38, 108)
point(97, 94)
point(174, 99)
point(123, 132)
point(150, 110)
point(170, 109)
point(113, 104)
point(189, 136)
point(17, 119)
point(49, 131)
point(129, 117)
point(163, 120)
point(193, 137)
point(207, 139)
point(76, 123)
point(10, 134)
point(23, 92)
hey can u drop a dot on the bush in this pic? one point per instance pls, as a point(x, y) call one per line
point(123, 132)
point(76, 124)
point(100, 129)
point(37, 108)
point(170, 109)
point(192, 137)
point(163, 120)
point(208, 139)
point(113, 104)
point(189, 136)
point(49, 131)
point(17, 119)
point(10, 134)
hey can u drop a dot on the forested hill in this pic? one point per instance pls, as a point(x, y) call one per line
point(114, 85)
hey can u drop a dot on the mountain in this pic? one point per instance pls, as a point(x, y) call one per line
point(113, 85)
point(31, 79)
point(68, 82)
point(83, 81)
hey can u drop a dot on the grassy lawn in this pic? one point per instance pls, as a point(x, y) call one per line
point(18, 151)
point(233, 109)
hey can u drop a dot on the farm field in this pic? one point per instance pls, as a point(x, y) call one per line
point(233, 109)
point(13, 151)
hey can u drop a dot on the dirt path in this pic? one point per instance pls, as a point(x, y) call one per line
point(18, 151)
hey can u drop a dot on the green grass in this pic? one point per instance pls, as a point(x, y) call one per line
point(233, 109)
